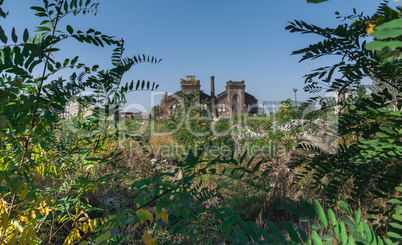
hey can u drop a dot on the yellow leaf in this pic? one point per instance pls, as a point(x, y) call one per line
point(24, 219)
point(135, 227)
point(33, 214)
point(85, 228)
point(160, 233)
point(4, 220)
point(91, 224)
point(164, 215)
point(76, 233)
point(82, 219)
point(148, 240)
point(370, 28)
point(145, 214)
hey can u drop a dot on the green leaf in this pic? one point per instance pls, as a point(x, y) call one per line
point(331, 216)
point(159, 207)
point(321, 213)
point(396, 225)
point(292, 233)
point(141, 183)
point(70, 29)
point(230, 238)
point(382, 135)
point(388, 130)
point(378, 45)
point(394, 235)
point(357, 217)
point(303, 235)
point(230, 221)
point(343, 235)
point(397, 217)
point(14, 36)
point(327, 237)
point(50, 67)
point(103, 237)
point(351, 241)
point(393, 24)
point(3, 36)
point(387, 33)
point(316, 238)
point(277, 232)
point(395, 201)
point(39, 9)
point(65, 6)
point(249, 231)
point(240, 235)
point(388, 242)
point(25, 36)
point(369, 233)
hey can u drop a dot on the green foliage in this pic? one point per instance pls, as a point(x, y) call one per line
point(44, 197)
point(387, 33)
point(368, 155)
point(286, 111)
point(362, 120)
point(53, 171)
point(339, 41)
point(326, 227)
point(367, 165)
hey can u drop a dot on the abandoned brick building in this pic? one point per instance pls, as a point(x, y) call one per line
point(231, 102)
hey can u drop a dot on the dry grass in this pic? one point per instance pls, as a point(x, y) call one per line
point(160, 142)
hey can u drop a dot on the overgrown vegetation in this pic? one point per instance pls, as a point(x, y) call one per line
point(298, 176)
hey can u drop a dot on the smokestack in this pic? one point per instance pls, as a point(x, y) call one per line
point(213, 97)
point(212, 86)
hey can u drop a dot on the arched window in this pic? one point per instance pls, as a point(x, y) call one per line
point(236, 98)
point(235, 101)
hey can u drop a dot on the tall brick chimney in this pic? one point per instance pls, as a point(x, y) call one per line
point(213, 97)
point(212, 86)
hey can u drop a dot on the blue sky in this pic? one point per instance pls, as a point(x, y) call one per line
point(232, 40)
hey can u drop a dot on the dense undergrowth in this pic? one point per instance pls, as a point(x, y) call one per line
point(298, 176)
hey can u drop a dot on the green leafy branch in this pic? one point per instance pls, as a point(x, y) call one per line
point(327, 228)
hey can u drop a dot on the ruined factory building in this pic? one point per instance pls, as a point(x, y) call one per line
point(231, 102)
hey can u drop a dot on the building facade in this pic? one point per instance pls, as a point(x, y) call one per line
point(229, 103)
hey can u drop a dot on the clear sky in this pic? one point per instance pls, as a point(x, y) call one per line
point(230, 39)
